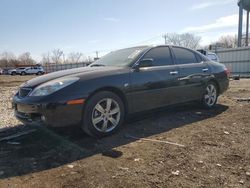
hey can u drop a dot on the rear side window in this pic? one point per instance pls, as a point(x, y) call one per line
point(161, 56)
point(184, 56)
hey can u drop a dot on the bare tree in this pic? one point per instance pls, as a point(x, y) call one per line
point(74, 57)
point(228, 41)
point(26, 59)
point(186, 40)
point(57, 56)
point(8, 59)
point(46, 59)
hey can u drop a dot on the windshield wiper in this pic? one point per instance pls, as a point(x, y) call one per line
point(97, 65)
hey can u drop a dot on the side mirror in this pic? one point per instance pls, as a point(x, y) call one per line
point(146, 63)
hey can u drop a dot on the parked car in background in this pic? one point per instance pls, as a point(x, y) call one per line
point(20, 70)
point(12, 71)
point(31, 70)
point(26, 71)
point(210, 55)
point(5, 71)
point(127, 81)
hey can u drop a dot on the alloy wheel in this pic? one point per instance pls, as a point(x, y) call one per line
point(106, 115)
point(210, 95)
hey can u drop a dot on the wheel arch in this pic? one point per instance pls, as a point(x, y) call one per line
point(216, 83)
point(114, 90)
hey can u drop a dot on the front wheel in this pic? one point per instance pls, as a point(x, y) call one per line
point(103, 114)
point(211, 95)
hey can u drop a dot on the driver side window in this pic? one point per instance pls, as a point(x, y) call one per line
point(161, 56)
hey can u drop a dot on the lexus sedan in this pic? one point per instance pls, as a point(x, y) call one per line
point(99, 97)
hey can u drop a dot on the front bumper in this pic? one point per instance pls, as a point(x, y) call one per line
point(56, 114)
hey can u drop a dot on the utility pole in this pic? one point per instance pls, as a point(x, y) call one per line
point(97, 54)
point(247, 28)
point(63, 58)
point(240, 23)
point(165, 37)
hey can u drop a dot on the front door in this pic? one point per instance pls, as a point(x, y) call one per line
point(155, 85)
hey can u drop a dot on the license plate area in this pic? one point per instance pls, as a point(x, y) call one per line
point(26, 108)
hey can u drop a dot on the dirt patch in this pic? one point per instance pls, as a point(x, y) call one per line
point(216, 152)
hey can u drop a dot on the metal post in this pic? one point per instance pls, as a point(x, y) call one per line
point(247, 25)
point(165, 38)
point(240, 24)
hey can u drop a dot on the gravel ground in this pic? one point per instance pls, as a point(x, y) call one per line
point(216, 150)
point(8, 87)
point(7, 116)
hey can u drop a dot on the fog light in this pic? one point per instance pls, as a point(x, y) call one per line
point(43, 118)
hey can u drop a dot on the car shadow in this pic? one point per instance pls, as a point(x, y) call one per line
point(50, 148)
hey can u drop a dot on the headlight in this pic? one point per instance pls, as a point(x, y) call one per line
point(53, 86)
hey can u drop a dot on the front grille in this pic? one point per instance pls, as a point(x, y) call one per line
point(23, 92)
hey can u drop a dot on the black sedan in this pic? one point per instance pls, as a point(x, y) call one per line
point(100, 96)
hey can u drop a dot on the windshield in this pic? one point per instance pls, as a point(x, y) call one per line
point(120, 57)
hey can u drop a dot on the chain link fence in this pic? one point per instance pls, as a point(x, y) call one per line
point(57, 67)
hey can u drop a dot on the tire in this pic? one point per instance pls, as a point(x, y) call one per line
point(210, 95)
point(23, 73)
point(13, 73)
point(39, 73)
point(97, 121)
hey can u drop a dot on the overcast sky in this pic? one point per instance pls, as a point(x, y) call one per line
point(39, 26)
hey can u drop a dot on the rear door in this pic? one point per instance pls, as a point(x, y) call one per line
point(154, 86)
point(192, 73)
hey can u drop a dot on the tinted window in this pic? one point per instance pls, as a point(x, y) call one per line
point(184, 56)
point(160, 55)
point(199, 57)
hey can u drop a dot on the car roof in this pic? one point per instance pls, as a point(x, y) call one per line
point(160, 45)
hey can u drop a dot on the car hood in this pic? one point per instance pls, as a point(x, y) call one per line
point(82, 73)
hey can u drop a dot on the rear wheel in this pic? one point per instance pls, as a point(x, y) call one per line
point(103, 114)
point(23, 73)
point(39, 73)
point(13, 73)
point(211, 94)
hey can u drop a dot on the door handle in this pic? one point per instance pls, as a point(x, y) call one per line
point(205, 69)
point(173, 72)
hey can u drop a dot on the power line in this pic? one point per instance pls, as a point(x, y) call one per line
point(134, 44)
point(144, 41)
